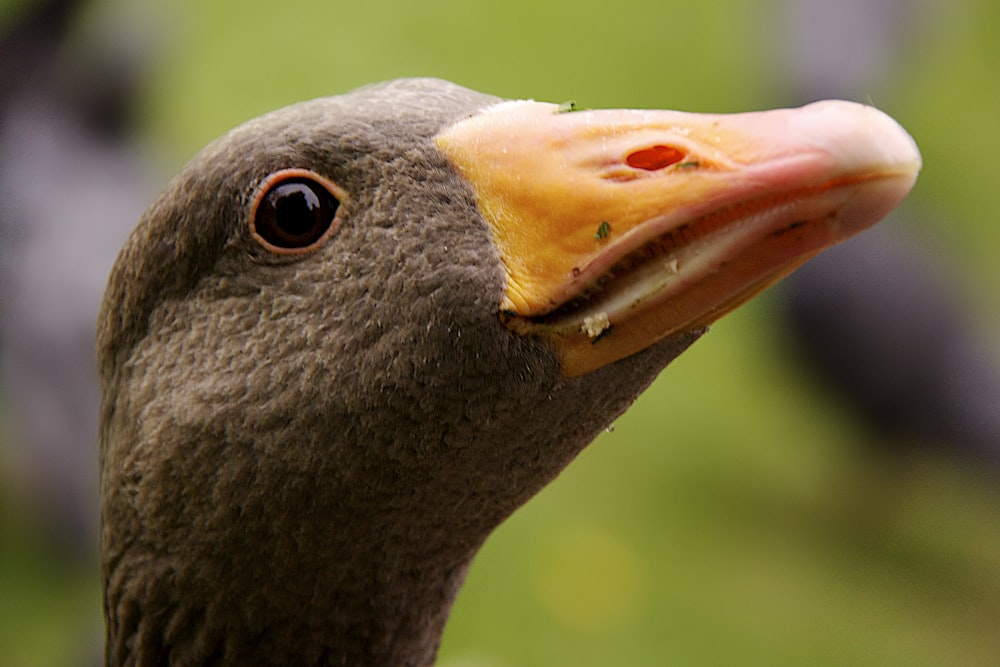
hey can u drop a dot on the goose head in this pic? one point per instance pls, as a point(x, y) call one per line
point(352, 336)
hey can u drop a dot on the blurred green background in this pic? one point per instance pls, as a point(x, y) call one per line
point(736, 515)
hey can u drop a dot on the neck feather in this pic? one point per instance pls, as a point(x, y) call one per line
point(325, 538)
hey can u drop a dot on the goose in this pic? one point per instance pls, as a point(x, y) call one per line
point(353, 335)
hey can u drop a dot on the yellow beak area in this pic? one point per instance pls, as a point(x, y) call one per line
point(618, 228)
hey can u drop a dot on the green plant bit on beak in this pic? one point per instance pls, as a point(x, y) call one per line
point(603, 231)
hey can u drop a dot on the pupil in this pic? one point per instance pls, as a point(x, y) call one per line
point(297, 208)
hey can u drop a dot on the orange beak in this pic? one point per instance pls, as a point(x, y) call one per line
point(618, 228)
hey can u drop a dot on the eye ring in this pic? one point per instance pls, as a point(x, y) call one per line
point(294, 211)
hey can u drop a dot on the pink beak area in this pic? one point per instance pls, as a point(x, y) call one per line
point(618, 228)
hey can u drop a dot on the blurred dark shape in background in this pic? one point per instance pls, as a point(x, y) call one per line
point(848, 49)
point(73, 181)
point(878, 319)
point(879, 322)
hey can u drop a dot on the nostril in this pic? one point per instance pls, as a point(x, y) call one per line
point(655, 157)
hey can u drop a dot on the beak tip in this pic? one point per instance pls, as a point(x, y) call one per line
point(861, 135)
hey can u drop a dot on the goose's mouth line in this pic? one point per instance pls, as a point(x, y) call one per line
point(741, 249)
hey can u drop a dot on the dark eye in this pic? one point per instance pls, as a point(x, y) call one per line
point(294, 211)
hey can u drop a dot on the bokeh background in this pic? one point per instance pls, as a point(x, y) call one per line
point(742, 513)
